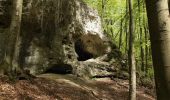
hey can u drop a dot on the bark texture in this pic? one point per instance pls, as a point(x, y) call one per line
point(159, 27)
point(12, 49)
point(131, 56)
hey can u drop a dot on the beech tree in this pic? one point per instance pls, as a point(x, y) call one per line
point(131, 56)
point(12, 50)
point(159, 27)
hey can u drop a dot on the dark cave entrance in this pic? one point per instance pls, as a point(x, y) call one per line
point(60, 69)
point(82, 54)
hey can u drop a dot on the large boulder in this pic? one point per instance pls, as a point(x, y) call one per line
point(61, 35)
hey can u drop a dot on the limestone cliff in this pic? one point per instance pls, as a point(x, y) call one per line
point(49, 33)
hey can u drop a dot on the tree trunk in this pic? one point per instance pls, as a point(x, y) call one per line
point(159, 27)
point(12, 50)
point(121, 31)
point(132, 67)
point(126, 29)
point(141, 39)
point(103, 12)
point(146, 50)
point(142, 51)
point(169, 5)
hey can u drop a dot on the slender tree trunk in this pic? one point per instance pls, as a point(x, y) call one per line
point(146, 41)
point(146, 50)
point(12, 51)
point(126, 29)
point(103, 11)
point(142, 51)
point(126, 37)
point(132, 67)
point(121, 30)
point(141, 38)
point(159, 27)
point(169, 5)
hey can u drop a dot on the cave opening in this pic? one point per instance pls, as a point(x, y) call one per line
point(60, 69)
point(82, 54)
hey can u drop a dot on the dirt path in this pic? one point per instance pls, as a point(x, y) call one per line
point(67, 87)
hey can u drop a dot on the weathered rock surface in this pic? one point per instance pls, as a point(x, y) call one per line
point(50, 30)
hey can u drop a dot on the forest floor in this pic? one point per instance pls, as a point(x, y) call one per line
point(68, 87)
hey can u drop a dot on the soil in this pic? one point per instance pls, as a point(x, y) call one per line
point(69, 87)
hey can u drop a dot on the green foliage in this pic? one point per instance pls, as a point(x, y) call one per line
point(150, 73)
point(115, 21)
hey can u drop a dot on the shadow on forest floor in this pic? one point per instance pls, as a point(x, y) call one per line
point(68, 87)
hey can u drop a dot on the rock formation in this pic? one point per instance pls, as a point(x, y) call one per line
point(54, 31)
